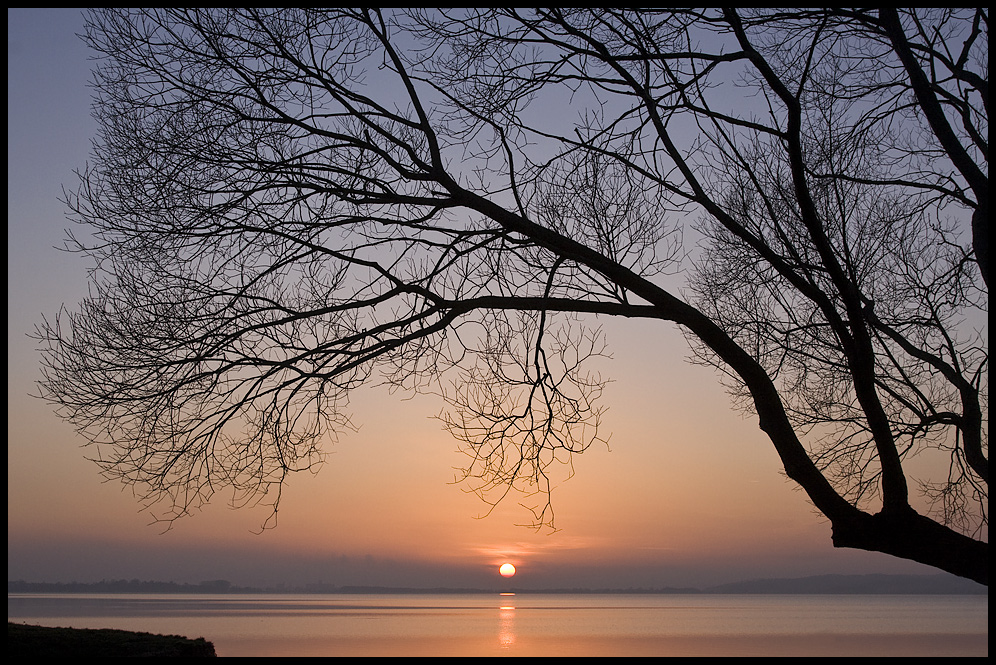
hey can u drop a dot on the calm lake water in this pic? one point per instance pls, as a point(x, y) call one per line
point(535, 624)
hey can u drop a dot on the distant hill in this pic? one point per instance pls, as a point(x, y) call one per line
point(818, 584)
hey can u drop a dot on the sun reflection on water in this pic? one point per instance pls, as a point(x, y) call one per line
point(506, 621)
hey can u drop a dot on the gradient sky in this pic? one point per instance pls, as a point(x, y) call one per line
point(690, 493)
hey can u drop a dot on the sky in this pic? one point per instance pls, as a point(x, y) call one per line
point(688, 492)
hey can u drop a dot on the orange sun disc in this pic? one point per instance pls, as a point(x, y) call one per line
point(506, 570)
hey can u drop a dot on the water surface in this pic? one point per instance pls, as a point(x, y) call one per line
point(535, 624)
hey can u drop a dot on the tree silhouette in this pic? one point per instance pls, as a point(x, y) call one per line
point(287, 204)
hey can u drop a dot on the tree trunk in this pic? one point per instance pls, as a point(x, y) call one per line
point(909, 535)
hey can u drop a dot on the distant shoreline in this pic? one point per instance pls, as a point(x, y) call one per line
point(819, 584)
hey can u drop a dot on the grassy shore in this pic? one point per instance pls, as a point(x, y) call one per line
point(34, 642)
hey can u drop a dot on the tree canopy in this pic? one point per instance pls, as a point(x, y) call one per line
point(283, 205)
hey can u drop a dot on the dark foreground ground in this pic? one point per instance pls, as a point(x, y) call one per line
point(37, 642)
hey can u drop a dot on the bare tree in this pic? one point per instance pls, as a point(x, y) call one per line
point(288, 204)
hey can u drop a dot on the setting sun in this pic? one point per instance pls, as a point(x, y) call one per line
point(506, 570)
